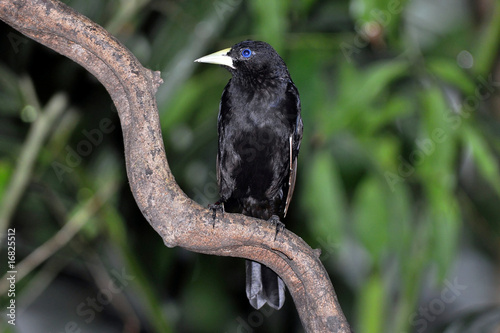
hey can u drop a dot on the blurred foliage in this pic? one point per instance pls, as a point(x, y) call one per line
point(398, 179)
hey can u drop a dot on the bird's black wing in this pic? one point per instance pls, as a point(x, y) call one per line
point(226, 187)
point(294, 139)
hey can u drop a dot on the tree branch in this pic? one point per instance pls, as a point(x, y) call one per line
point(177, 219)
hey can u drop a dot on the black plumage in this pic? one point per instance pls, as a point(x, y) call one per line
point(260, 130)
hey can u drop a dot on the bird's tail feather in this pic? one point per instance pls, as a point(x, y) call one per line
point(264, 286)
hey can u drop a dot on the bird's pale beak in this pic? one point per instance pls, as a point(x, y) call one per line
point(218, 58)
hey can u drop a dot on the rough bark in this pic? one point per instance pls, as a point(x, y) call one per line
point(177, 219)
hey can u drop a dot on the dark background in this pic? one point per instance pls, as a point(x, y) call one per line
point(398, 177)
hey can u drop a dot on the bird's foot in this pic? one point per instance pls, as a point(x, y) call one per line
point(280, 226)
point(216, 207)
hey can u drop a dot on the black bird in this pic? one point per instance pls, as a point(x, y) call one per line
point(260, 130)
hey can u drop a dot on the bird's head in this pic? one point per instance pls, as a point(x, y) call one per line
point(249, 59)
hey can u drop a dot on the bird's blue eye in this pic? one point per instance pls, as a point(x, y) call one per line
point(246, 53)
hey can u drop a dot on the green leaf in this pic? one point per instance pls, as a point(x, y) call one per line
point(486, 49)
point(359, 93)
point(5, 173)
point(400, 222)
point(484, 158)
point(372, 304)
point(371, 217)
point(323, 199)
point(445, 223)
point(395, 107)
point(434, 160)
point(448, 70)
point(434, 151)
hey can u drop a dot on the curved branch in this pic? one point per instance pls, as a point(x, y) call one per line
point(177, 219)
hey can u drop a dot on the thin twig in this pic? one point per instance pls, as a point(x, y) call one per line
point(63, 236)
point(37, 134)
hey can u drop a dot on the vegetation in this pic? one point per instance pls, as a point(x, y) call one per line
point(398, 181)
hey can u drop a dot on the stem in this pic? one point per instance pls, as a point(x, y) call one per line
point(37, 134)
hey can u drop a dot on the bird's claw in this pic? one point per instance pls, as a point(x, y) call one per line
point(216, 207)
point(280, 226)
